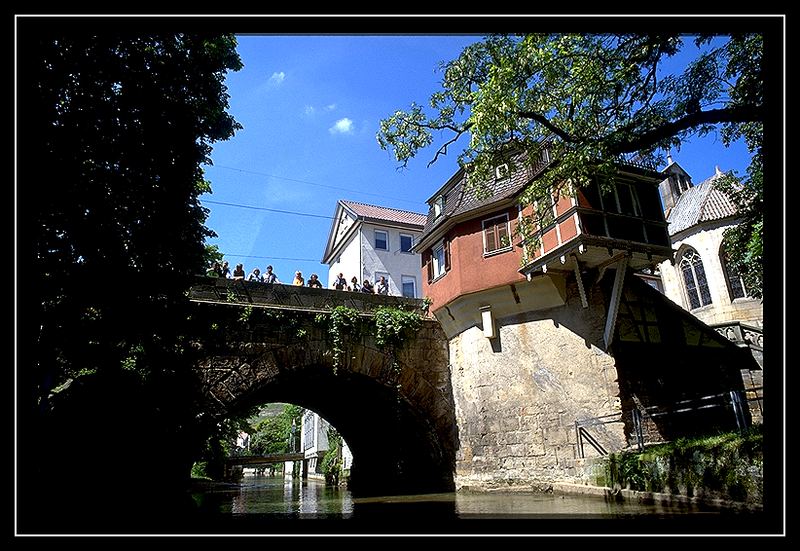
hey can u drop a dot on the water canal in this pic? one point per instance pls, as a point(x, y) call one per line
point(275, 498)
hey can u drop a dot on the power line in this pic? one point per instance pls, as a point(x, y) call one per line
point(272, 257)
point(320, 185)
point(267, 209)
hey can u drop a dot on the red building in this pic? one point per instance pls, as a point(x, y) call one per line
point(470, 242)
point(557, 350)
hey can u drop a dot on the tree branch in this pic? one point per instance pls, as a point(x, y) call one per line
point(636, 142)
point(564, 135)
point(443, 150)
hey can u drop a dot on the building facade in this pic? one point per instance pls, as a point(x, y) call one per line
point(559, 351)
point(314, 444)
point(368, 241)
point(699, 279)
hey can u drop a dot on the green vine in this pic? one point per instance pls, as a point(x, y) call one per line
point(247, 312)
point(394, 326)
point(391, 328)
point(332, 462)
point(342, 322)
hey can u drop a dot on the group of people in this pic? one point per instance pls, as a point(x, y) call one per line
point(380, 288)
point(223, 270)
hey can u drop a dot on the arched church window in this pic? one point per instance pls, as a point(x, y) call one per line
point(694, 278)
point(732, 277)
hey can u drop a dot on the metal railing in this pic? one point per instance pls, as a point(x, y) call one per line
point(738, 401)
point(584, 436)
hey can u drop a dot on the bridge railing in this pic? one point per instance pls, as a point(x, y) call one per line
point(290, 297)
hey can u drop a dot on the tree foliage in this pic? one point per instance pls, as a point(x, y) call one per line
point(274, 434)
point(590, 99)
point(120, 128)
point(116, 127)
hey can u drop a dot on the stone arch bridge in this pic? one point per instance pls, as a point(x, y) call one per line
point(396, 412)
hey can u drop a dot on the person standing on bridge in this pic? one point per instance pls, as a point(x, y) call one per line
point(214, 270)
point(367, 287)
point(340, 283)
point(314, 281)
point(382, 287)
point(354, 285)
point(270, 276)
point(298, 279)
point(238, 273)
point(255, 275)
point(225, 271)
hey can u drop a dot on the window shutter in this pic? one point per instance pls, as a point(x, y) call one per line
point(446, 255)
point(489, 237)
point(428, 263)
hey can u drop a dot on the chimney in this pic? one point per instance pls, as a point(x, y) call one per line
point(669, 159)
point(719, 172)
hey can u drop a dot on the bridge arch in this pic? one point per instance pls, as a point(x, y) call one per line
point(397, 417)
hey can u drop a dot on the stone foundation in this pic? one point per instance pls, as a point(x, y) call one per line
point(518, 396)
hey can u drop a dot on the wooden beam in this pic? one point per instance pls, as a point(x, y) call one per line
point(616, 295)
point(579, 279)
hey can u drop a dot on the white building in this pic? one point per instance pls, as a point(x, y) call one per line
point(700, 280)
point(368, 241)
point(314, 444)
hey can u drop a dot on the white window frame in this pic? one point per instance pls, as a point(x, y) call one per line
point(508, 232)
point(501, 172)
point(386, 233)
point(402, 235)
point(438, 269)
point(438, 206)
point(408, 279)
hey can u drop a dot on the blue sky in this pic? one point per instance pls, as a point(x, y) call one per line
point(310, 107)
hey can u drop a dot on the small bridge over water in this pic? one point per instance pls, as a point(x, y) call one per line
point(395, 408)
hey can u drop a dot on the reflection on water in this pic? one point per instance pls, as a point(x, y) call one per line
point(277, 497)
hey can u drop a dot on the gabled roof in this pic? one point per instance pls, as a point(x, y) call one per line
point(374, 213)
point(701, 203)
point(357, 213)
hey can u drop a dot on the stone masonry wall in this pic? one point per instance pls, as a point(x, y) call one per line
point(517, 399)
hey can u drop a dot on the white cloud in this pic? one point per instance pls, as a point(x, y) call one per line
point(330, 107)
point(277, 78)
point(309, 110)
point(342, 126)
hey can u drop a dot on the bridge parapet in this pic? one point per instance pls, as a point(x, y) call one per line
point(290, 297)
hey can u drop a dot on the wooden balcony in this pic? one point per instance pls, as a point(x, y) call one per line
point(597, 227)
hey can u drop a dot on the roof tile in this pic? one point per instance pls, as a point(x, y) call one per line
point(701, 203)
point(385, 214)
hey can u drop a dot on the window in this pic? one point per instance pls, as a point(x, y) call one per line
point(733, 278)
point(438, 206)
point(501, 171)
point(496, 234)
point(694, 277)
point(439, 260)
point(409, 286)
point(406, 242)
point(381, 240)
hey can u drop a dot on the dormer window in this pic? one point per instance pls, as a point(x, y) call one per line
point(501, 172)
point(438, 206)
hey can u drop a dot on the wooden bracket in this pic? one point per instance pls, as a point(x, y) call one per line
point(616, 295)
